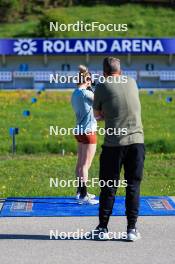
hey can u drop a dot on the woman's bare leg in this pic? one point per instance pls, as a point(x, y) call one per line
point(78, 165)
point(87, 155)
point(79, 154)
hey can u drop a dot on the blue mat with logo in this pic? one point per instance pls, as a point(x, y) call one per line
point(68, 206)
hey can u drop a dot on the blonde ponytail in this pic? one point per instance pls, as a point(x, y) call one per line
point(84, 74)
point(82, 68)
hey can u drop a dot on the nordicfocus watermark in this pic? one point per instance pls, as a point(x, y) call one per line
point(79, 130)
point(69, 183)
point(81, 234)
point(79, 78)
point(81, 26)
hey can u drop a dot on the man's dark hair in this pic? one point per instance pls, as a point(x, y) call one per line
point(111, 65)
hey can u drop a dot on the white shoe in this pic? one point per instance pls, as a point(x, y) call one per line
point(77, 196)
point(91, 196)
point(87, 200)
point(133, 235)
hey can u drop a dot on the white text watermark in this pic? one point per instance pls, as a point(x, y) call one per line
point(80, 130)
point(62, 183)
point(81, 234)
point(79, 78)
point(81, 26)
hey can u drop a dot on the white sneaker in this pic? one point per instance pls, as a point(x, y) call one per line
point(87, 200)
point(133, 235)
point(77, 196)
point(91, 196)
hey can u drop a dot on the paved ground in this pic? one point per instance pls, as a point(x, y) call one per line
point(27, 241)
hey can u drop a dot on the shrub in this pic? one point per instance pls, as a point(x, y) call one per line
point(55, 16)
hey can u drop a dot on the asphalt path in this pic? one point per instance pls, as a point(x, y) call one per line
point(27, 241)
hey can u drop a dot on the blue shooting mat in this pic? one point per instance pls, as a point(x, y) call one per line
point(68, 206)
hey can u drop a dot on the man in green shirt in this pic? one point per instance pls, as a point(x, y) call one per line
point(117, 102)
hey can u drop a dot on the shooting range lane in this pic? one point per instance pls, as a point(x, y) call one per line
point(68, 206)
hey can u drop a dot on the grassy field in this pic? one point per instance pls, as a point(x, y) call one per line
point(54, 108)
point(142, 20)
point(29, 175)
point(39, 155)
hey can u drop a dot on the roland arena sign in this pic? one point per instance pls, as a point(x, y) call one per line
point(87, 46)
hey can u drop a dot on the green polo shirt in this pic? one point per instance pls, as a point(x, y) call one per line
point(121, 107)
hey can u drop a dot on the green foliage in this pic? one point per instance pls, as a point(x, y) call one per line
point(18, 29)
point(43, 27)
point(9, 10)
point(15, 10)
point(143, 21)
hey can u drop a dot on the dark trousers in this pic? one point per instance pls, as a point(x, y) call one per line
point(112, 159)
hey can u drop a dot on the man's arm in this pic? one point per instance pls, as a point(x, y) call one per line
point(98, 115)
point(97, 105)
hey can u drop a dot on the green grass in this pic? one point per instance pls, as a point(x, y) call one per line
point(24, 174)
point(143, 21)
point(158, 116)
point(54, 108)
point(30, 175)
point(24, 29)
